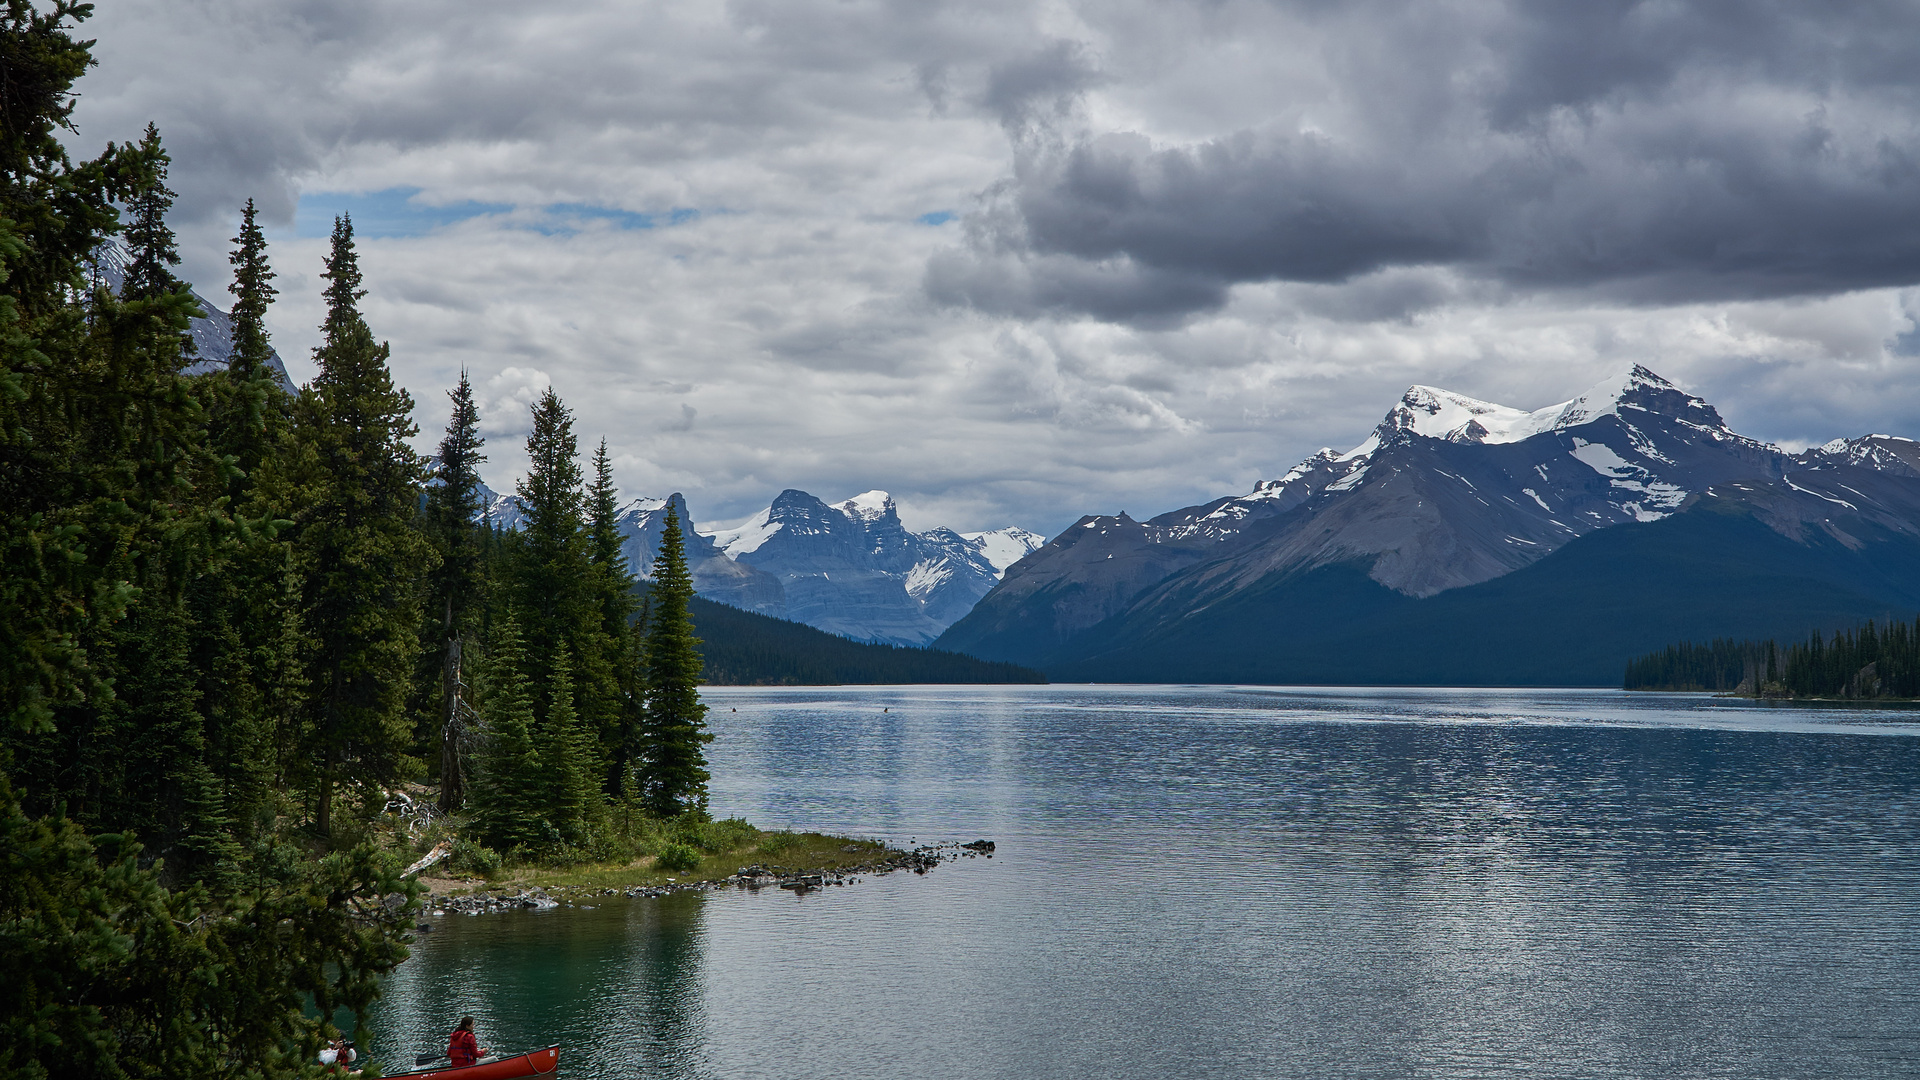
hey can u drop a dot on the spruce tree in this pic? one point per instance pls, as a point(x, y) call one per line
point(244, 630)
point(569, 791)
point(550, 571)
point(553, 582)
point(613, 586)
point(151, 253)
point(363, 559)
point(451, 520)
point(603, 527)
point(110, 508)
point(674, 771)
point(253, 292)
point(509, 789)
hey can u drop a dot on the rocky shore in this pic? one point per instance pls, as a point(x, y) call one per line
point(755, 877)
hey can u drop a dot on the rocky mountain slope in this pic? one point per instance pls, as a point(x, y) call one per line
point(851, 569)
point(212, 335)
point(1447, 494)
point(855, 570)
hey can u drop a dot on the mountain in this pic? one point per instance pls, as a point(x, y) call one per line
point(212, 335)
point(1453, 543)
point(741, 648)
point(853, 569)
point(715, 576)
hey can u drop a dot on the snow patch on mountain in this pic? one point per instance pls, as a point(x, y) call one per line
point(1601, 459)
point(869, 506)
point(926, 576)
point(1443, 414)
point(1004, 547)
point(747, 537)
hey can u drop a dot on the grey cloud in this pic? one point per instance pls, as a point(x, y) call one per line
point(1352, 194)
point(1652, 153)
point(1039, 87)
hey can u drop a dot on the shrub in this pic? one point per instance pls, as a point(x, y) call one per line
point(677, 857)
point(471, 858)
point(777, 843)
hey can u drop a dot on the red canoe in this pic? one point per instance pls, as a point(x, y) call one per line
point(496, 1067)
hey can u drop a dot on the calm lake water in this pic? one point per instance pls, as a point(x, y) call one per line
point(1253, 882)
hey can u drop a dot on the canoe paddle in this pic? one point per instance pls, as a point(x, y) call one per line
point(427, 1059)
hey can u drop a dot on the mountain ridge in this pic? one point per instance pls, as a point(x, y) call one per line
point(1448, 492)
point(850, 569)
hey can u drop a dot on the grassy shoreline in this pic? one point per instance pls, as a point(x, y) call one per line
point(790, 852)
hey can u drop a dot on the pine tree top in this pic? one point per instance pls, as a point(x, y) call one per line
point(603, 516)
point(550, 493)
point(150, 243)
point(457, 464)
point(253, 292)
point(343, 290)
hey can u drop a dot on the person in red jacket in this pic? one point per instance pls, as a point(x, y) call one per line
point(462, 1047)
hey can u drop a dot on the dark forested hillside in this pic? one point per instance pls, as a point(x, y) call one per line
point(1572, 619)
point(1876, 660)
point(747, 649)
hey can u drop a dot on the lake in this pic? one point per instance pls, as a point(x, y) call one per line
point(1252, 882)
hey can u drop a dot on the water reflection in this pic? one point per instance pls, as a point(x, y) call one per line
point(1230, 882)
point(618, 984)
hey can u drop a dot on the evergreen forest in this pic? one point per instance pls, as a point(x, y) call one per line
point(238, 624)
point(1867, 662)
point(745, 648)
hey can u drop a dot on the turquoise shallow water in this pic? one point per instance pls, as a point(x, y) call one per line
point(1237, 882)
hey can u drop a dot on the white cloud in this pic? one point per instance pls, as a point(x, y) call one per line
point(506, 401)
point(706, 226)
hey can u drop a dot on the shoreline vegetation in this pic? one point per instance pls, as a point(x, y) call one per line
point(797, 861)
point(645, 856)
point(1871, 663)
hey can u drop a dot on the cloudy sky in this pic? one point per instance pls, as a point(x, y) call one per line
point(1016, 262)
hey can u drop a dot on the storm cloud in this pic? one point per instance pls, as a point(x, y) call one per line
point(1652, 152)
point(1019, 260)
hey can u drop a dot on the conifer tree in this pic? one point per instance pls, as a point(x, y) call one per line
point(244, 630)
point(551, 576)
point(253, 292)
point(613, 583)
point(508, 789)
point(451, 520)
point(363, 559)
point(151, 253)
point(553, 581)
point(674, 772)
point(603, 525)
point(110, 507)
point(569, 791)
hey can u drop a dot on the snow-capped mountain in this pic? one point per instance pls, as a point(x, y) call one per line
point(853, 569)
point(212, 335)
point(715, 576)
point(850, 569)
point(1448, 492)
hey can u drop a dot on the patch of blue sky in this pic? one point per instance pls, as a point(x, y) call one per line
point(938, 217)
point(397, 211)
point(564, 218)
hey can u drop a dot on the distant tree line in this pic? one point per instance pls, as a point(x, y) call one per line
point(748, 649)
point(234, 620)
point(1870, 661)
